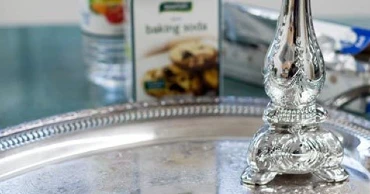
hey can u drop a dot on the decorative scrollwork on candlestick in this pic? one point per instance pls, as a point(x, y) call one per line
point(292, 140)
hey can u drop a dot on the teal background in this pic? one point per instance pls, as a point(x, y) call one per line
point(42, 74)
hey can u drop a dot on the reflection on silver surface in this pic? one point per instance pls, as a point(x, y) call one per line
point(248, 30)
point(292, 141)
point(348, 97)
point(199, 167)
point(183, 146)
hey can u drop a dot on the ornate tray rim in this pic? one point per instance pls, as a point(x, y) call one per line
point(49, 127)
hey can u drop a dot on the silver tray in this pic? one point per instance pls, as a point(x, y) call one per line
point(170, 147)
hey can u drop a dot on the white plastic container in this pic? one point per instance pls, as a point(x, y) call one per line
point(106, 43)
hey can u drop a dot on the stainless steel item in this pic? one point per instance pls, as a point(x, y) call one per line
point(248, 31)
point(347, 97)
point(291, 141)
point(179, 146)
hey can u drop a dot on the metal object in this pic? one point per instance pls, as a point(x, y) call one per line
point(347, 97)
point(248, 33)
point(178, 146)
point(292, 141)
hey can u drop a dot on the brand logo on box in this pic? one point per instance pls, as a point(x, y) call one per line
point(175, 7)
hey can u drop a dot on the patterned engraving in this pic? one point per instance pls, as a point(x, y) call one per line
point(292, 140)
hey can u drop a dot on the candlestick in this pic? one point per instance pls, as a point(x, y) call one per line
point(292, 140)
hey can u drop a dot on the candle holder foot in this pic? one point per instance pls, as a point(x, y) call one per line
point(253, 176)
point(334, 174)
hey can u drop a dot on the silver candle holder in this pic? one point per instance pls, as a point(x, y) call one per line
point(292, 140)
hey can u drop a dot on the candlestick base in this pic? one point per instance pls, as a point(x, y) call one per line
point(294, 149)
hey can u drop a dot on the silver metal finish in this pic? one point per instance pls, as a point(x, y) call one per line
point(179, 146)
point(347, 97)
point(249, 31)
point(292, 141)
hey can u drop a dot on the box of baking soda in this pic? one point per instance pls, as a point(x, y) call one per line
point(176, 48)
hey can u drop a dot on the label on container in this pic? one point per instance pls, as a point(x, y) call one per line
point(103, 17)
point(176, 48)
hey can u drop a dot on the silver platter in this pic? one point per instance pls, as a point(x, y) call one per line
point(184, 146)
